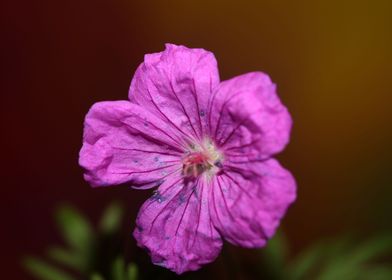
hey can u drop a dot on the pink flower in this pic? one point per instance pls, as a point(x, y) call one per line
point(206, 146)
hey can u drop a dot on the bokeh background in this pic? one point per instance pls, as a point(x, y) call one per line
point(331, 60)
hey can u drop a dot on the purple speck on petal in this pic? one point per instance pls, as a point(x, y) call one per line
point(157, 197)
point(181, 198)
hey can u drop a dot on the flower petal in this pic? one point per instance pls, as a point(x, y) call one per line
point(175, 226)
point(175, 85)
point(124, 143)
point(247, 117)
point(248, 202)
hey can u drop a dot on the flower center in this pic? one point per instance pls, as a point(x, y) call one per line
point(202, 158)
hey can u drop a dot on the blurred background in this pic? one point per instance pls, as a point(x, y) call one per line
point(331, 60)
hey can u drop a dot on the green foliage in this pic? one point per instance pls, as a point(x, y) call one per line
point(68, 258)
point(343, 259)
point(118, 269)
point(120, 273)
point(305, 262)
point(44, 271)
point(111, 219)
point(97, 254)
point(96, 276)
point(132, 272)
point(83, 254)
point(375, 272)
point(75, 228)
point(274, 256)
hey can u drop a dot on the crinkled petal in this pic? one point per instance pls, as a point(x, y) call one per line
point(249, 200)
point(175, 226)
point(247, 118)
point(124, 143)
point(175, 85)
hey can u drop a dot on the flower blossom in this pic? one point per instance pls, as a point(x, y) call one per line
point(206, 147)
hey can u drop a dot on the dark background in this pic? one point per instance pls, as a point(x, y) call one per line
point(331, 60)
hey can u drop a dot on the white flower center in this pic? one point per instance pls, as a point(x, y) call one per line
point(202, 159)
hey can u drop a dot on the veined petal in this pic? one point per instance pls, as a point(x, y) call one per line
point(175, 226)
point(124, 143)
point(175, 85)
point(246, 117)
point(248, 202)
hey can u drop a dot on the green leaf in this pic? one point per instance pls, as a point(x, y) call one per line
point(68, 258)
point(75, 229)
point(374, 248)
point(341, 270)
point(96, 276)
point(132, 271)
point(380, 272)
point(349, 263)
point(274, 256)
point(44, 271)
point(111, 218)
point(277, 248)
point(309, 262)
point(334, 257)
point(303, 265)
point(118, 269)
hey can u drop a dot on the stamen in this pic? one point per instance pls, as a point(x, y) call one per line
point(202, 159)
point(195, 164)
